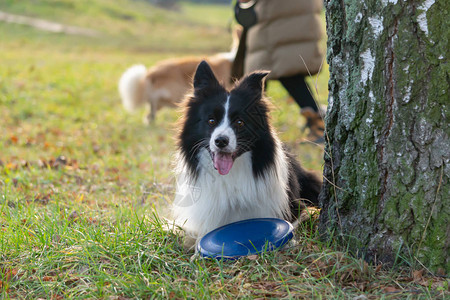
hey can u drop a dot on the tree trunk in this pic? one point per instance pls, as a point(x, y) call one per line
point(387, 157)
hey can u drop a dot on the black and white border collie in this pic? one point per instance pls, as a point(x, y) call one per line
point(231, 165)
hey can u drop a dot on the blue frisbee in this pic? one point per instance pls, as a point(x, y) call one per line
point(245, 237)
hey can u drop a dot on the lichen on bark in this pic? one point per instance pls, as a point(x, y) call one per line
point(387, 123)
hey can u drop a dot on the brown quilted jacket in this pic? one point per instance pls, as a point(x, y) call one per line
point(286, 31)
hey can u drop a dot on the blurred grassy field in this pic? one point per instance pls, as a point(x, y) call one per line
point(59, 92)
point(82, 181)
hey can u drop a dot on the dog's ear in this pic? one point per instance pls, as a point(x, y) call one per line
point(254, 82)
point(204, 76)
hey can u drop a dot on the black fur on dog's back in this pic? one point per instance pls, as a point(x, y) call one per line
point(304, 187)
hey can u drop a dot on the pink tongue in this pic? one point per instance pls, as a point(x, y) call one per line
point(223, 163)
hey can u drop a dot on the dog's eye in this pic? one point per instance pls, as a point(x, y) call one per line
point(212, 122)
point(239, 123)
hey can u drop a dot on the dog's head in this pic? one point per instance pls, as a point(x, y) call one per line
point(226, 123)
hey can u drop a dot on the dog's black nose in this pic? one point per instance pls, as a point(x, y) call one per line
point(221, 141)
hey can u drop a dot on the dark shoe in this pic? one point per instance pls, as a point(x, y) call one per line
point(315, 124)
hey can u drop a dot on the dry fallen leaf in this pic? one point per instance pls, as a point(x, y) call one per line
point(418, 275)
point(11, 166)
point(378, 268)
point(14, 139)
point(42, 198)
point(391, 289)
point(48, 278)
point(74, 215)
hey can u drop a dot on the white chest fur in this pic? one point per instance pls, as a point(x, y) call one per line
point(214, 200)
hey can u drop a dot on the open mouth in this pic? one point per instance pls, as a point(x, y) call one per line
point(223, 161)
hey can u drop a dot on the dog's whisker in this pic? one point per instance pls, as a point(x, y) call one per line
point(198, 145)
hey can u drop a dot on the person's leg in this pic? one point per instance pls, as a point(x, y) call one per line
point(297, 87)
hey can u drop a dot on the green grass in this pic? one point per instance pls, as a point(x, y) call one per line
point(83, 183)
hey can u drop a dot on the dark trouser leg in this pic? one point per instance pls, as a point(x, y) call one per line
point(298, 89)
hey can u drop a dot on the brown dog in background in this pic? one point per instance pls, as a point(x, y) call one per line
point(166, 83)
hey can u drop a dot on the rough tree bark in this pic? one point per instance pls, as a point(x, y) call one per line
point(388, 128)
